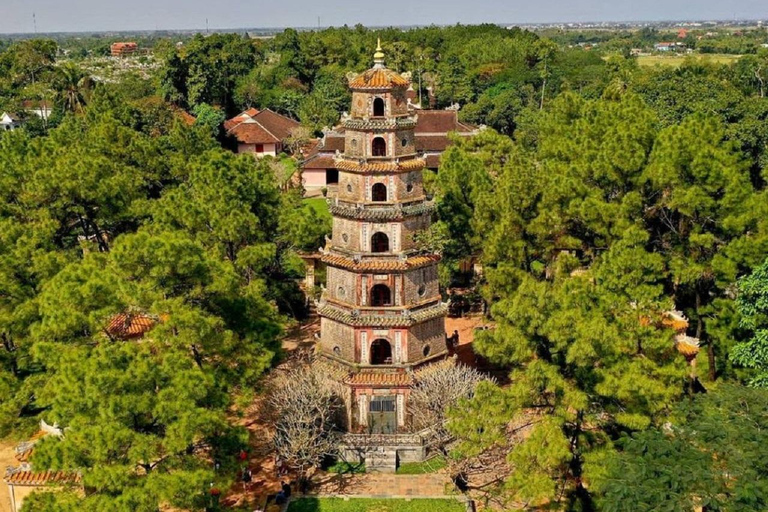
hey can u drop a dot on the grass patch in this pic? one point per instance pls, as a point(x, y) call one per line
point(347, 468)
point(319, 205)
point(419, 468)
point(373, 505)
point(676, 61)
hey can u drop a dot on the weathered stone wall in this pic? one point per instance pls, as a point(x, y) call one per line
point(414, 279)
point(417, 187)
point(335, 334)
point(346, 234)
point(395, 103)
point(354, 143)
point(410, 227)
point(342, 285)
point(430, 333)
point(405, 143)
point(351, 187)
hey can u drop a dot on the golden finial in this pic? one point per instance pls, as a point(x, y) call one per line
point(378, 57)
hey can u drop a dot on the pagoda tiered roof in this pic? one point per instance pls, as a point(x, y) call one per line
point(379, 123)
point(378, 213)
point(411, 164)
point(378, 78)
point(380, 379)
point(376, 265)
point(381, 320)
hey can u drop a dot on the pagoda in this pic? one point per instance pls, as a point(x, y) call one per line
point(381, 312)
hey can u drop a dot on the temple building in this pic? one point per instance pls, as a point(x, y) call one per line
point(381, 312)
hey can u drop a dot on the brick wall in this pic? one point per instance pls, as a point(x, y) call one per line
point(430, 333)
point(335, 334)
point(351, 187)
point(411, 226)
point(342, 285)
point(401, 184)
point(349, 228)
point(415, 278)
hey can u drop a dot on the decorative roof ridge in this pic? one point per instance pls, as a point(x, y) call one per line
point(407, 319)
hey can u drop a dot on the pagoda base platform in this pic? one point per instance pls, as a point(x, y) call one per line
point(384, 452)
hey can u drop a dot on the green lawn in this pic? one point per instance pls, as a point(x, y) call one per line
point(677, 60)
point(319, 205)
point(373, 505)
point(418, 468)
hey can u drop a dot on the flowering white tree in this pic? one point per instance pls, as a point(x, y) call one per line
point(307, 410)
point(438, 388)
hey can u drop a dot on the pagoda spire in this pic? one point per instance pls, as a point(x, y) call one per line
point(378, 57)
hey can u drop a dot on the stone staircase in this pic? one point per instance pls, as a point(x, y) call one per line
point(381, 460)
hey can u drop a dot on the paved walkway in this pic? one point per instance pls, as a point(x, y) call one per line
point(381, 485)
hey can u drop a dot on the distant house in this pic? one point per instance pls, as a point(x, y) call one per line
point(123, 49)
point(318, 169)
point(682, 33)
point(664, 47)
point(10, 121)
point(260, 133)
point(23, 480)
point(41, 109)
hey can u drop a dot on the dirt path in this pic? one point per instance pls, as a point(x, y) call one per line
point(7, 458)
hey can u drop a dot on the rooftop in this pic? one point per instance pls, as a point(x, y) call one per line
point(260, 127)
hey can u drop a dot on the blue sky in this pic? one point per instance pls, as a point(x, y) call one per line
point(84, 15)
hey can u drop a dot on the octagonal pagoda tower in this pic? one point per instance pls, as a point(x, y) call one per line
point(381, 313)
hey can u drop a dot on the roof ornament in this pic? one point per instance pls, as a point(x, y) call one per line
point(378, 57)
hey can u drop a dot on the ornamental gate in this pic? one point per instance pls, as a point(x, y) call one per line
point(382, 415)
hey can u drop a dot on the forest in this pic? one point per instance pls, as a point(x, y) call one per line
point(601, 194)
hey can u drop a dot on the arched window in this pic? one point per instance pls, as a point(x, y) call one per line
point(381, 352)
point(379, 147)
point(378, 107)
point(379, 192)
point(379, 242)
point(381, 296)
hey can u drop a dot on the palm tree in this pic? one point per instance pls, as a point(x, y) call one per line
point(72, 87)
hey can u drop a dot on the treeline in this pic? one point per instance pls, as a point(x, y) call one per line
point(596, 217)
point(124, 209)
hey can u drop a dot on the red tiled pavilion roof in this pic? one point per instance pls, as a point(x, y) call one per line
point(130, 325)
point(375, 379)
point(380, 265)
point(40, 478)
point(378, 78)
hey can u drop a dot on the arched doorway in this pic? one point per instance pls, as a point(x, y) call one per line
point(378, 107)
point(381, 296)
point(379, 147)
point(381, 352)
point(379, 242)
point(379, 192)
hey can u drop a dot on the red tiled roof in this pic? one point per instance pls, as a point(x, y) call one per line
point(130, 325)
point(380, 265)
point(252, 133)
point(380, 379)
point(333, 143)
point(413, 164)
point(378, 78)
point(433, 161)
point(441, 122)
point(320, 162)
point(40, 478)
point(432, 142)
point(265, 127)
